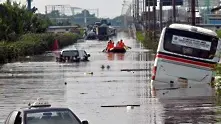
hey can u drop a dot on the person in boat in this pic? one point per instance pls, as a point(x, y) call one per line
point(120, 44)
point(110, 45)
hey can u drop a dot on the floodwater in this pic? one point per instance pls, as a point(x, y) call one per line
point(85, 93)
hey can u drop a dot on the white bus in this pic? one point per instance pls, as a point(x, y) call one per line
point(185, 54)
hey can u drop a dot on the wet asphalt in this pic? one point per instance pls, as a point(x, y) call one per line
point(100, 90)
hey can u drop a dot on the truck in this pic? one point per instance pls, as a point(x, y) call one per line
point(102, 32)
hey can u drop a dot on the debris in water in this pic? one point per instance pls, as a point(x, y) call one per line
point(83, 93)
point(130, 107)
point(120, 105)
point(108, 66)
point(135, 70)
point(102, 67)
point(86, 73)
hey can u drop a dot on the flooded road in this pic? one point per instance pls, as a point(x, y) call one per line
point(86, 93)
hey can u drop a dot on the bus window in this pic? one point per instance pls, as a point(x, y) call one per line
point(190, 43)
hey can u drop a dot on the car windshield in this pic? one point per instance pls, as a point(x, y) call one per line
point(190, 43)
point(51, 117)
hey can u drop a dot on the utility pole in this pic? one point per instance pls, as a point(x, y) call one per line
point(154, 19)
point(145, 15)
point(148, 17)
point(133, 8)
point(85, 17)
point(193, 11)
point(144, 5)
point(145, 18)
point(161, 15)
point(174, 10)
point(138, 9)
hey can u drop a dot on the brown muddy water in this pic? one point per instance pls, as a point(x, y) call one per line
point(85, 93)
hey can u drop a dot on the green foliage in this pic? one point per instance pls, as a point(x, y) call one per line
point(219, 33)
point(147, 41)
point(217, 83)
point(31, 44)
point(16, 20)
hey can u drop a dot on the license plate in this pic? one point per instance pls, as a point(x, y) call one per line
point(182, 80)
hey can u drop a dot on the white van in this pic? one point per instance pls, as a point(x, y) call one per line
point(185, 54)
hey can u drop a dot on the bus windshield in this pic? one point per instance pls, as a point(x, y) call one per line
point(190, 43)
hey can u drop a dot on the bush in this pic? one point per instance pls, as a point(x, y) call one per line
point(32, 44)
point(219, 33)
point(147, 42)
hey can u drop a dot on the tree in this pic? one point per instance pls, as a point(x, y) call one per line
point(16, 20)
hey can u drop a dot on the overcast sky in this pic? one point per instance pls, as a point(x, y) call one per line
point(107, 8)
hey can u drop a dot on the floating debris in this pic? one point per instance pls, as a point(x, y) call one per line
point(83, 93)
point(120, 105)
point(135, 70)
point(102, 66)
point(130, 107)
point(88, 73)
point(108, 66)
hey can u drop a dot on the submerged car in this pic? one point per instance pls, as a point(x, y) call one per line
point(73, 56)
point(41, 112)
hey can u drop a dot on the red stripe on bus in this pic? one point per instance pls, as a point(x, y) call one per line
point(185, 61)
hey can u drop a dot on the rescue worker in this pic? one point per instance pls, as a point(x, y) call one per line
point(110, 45)
point(121, 44)
point(118, 44)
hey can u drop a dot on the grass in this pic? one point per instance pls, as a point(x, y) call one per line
point(148, 41)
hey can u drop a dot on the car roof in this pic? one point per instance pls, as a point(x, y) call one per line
point(42, 109)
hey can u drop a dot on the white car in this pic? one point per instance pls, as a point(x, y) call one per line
point(73, 56)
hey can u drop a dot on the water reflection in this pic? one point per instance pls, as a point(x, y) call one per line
point(196, 110)
point(117, 56)
point(120, 56)
point(110, 56)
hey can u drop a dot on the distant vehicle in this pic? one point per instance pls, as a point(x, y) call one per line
point(185, 54)
point(102, 32)
point(91, 36)
point(113, 31)
point(41, 112)
point(104, 21)
point(70, 55)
